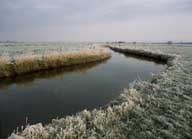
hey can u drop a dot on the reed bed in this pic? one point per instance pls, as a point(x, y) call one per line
point(55, 73)
point(134, 51)
point(160, 108)
point(30, 62)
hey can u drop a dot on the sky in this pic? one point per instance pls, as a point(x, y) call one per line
point(96, 20)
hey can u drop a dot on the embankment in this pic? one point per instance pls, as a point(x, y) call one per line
point(32, 63)
point(165, 58)
point(158, 109)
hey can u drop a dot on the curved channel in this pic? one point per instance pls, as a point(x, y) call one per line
point(42, 96)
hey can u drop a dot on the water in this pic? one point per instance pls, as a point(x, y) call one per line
point(46, 95)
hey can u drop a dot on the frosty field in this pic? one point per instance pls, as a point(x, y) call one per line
point(46, 94)
point(96, 69)
point(159, 108)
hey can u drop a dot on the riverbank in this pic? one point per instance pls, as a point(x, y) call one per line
point(155, 56)
point(27, 63)
point(160, 108)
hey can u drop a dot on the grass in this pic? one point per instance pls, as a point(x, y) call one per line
point(160, 108)
point(31, 63)
point(27, 79)
point(157, 56)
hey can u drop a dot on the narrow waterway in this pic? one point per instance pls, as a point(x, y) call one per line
point(42, 96)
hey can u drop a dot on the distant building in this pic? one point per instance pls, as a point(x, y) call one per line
point(120, 42)
point(169, 42)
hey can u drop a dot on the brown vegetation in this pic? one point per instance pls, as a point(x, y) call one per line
point(32, 63)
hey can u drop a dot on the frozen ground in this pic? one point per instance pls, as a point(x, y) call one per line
point(160, 108)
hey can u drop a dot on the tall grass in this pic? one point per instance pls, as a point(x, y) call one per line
point(34, 62)
point(6, 68)
point(166, 58)
point(27, 79)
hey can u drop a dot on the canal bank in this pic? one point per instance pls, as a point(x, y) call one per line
point(97, 123)
point(27, 63)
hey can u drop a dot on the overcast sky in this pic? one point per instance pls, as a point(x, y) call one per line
point(96, 20)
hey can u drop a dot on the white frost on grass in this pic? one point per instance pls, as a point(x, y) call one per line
point(157, 109)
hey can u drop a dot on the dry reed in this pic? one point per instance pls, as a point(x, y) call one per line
point(166, 58)
point(31, 62)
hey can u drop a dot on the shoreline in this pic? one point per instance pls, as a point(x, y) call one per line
point(153, 56)
point(103, 120)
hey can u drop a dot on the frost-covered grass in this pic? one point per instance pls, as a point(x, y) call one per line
point(133, 51)
point(31, 62)
point(17, 48)
point(159, 108)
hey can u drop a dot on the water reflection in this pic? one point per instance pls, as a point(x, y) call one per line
point(55, 93)
point(143, 58)
point(28, 79)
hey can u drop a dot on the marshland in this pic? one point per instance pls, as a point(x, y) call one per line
point(31, 61)
point(94, 69)
point(81, 100)
point(42, 94)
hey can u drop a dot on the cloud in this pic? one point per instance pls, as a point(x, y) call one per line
point(23, 20)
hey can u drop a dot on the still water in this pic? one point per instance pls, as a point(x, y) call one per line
point(42, 96)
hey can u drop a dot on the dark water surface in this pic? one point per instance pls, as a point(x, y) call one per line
point(46, 95)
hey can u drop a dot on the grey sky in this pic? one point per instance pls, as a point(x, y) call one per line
point(96, 20)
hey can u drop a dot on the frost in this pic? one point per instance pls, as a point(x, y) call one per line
point(160, 108)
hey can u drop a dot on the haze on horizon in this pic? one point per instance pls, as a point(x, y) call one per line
point(96, 20)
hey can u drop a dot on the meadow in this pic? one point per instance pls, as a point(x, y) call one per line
point(159, 108)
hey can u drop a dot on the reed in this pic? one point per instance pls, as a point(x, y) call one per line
point(55, 73)
point(6, 68)
point(158, 56)
point(31, 63)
